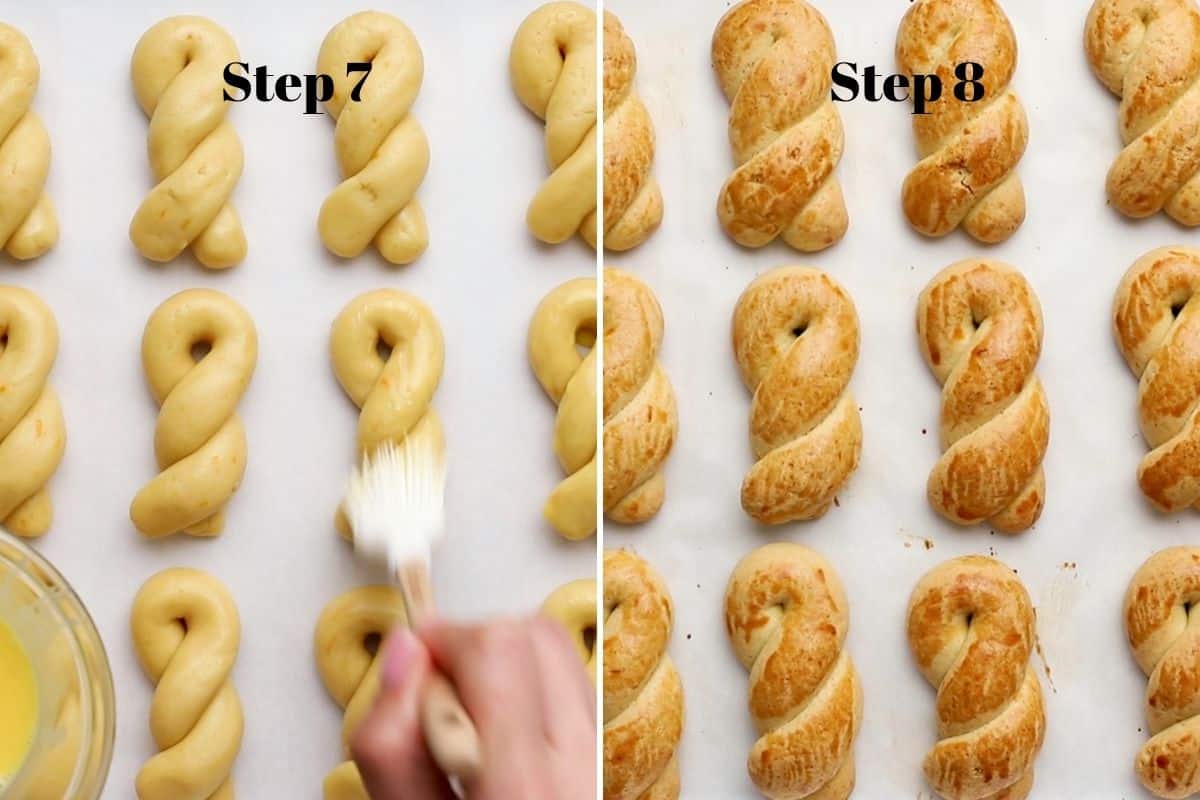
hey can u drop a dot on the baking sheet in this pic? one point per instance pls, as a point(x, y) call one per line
point(483, 275)
point(1096, 529)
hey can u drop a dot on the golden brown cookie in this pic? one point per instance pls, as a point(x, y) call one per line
point(1158, 605)
point(979, 325)
point(795, 338)
point(633, 204)
point(1147, 52)
point(969, 151)
point(787, 617)
point(774, 60)
point(640, 419)
point(1157, 327)
point(643, 697)
point(971, 631)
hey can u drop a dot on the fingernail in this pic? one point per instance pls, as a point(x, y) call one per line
point(399, 654)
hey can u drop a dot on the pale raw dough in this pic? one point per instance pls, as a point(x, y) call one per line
point(28, 224)
point(33, 434)
point(350, 670)
point(381, 148)
point(186, 632)
point(395, 394)
point(574, 605)
point(178, 76)
point(564, 322)
point(552, 64)
point(199, 441)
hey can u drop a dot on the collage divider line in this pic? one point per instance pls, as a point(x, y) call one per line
point(598, 346)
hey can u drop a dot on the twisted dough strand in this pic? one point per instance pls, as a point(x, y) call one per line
point(1147, 52)
point(786, 616)
point(381, 148)
point(1158, 607)
point(795, 338)
point(564, 321)
point(186, 632)
point(348, 636)
point(774, 60)
point(1157, 327)
point(574, 606)
point(971, 630)
point(199, 441)
point(552, 65)
point(980, 329)
point(194, 151)
point(969, 150)
point(395, 394)
point(28, 224)
point(640, 419)
point(643, 697)
point(633, 204)
point(33, 433)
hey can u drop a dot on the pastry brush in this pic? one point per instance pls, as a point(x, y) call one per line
point(395, 506)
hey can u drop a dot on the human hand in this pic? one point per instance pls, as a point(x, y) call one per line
point(523, 686)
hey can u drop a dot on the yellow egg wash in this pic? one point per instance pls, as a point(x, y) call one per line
point(19, 699)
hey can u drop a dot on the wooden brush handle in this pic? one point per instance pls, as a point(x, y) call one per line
point(450, 734)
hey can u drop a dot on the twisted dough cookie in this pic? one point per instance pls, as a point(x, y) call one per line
point(795, 337)
point(786, 616)
point(194, 151)
point(564, 322)
point(28, 224)
point(394, 393)
point(774, 59)
point(1158, 607)
point(381, 148)
point(971, 629)
point(552, 65)
point(1147, 52)
point(639, 403)
point(1157, 326)
point(349, 633)
point(574, 605)
point(199, 440)
point(33, 434)
point(633, 204)
point(969, 150)
point(980, 328)
point(643, 697)
point(186, 632)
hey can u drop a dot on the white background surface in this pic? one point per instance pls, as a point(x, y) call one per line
point(483, 275)
point(1072, 248)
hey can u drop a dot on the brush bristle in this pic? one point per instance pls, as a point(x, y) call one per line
point(395, 502)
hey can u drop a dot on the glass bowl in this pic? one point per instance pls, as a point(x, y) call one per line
point(73, 741)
